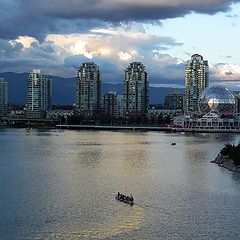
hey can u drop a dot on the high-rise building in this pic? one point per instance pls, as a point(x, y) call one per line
point(113, 104)
point(196, 80)
point(119, 107)
point(136, 90)
point(110, 104)
point(3, 97)
point(38, 94)
point(174, 101)
point(88, 89)
point(237, 101)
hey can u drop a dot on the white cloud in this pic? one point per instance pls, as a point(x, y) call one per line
point(124, 56)
point(226, 71)
point(26, 41)
point(116, 46)
point(120, 43)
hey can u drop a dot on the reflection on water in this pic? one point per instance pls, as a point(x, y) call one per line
point(62, 185)
point(89, 157)
point(131, 220)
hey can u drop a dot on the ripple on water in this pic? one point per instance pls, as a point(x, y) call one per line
point(129, 219)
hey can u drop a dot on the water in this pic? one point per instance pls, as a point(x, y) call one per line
point(62, 185)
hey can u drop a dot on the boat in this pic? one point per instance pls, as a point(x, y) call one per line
point(125, 198)
point(173, 143)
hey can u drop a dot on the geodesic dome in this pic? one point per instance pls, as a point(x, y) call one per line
point(217, 99)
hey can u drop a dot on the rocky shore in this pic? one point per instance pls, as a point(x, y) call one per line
point(226, 162)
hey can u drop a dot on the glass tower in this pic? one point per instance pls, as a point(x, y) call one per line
point(38, 94)
point(196, 80)
point(88, 89)
point(3, 97)
point(136, 90)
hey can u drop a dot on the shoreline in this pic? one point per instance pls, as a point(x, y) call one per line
point(122, 128)
point(145, 128)
point(225, 162)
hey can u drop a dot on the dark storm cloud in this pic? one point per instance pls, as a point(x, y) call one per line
point(118, 10)
point(14, 49)
point(232, 16)
point(38, 18)
point(228, 73)
point(12, 63)
point(27, 18)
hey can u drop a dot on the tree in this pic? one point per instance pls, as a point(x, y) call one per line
point(227, 149)
point(233, 152)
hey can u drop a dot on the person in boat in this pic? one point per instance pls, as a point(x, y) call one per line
point(131, 198)
point(123, 197)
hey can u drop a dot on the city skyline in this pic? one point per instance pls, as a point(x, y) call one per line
point(60, 35)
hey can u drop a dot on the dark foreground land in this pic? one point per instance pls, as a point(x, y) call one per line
point(229, 157)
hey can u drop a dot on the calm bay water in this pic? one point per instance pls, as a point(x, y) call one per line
point(62, 185)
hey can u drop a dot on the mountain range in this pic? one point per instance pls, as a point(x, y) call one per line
point(63, 89)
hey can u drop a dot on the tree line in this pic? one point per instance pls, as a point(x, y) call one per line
point(161, 119)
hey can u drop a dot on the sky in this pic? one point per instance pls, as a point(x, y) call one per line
point(57, 36)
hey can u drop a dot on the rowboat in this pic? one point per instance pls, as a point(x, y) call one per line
point(125, 199)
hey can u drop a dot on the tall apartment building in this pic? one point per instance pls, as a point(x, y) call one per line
point(120, 106)
point(88, 89)
point(174, 101)
point(3, 97)
point(237, 100)
point(196, 80)
point(110, 103)
point(39, 94)
point(136, 90)
point(113, 104)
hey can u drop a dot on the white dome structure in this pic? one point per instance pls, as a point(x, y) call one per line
point(218, 100)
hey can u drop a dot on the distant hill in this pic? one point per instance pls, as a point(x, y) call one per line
point(16, 86)
point(63, 89)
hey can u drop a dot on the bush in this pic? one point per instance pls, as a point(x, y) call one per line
point(227, 149)
point(233, 152)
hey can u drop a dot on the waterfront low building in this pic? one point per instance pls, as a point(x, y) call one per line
point(165, 112)
point(59, 113)
point(207, 123)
